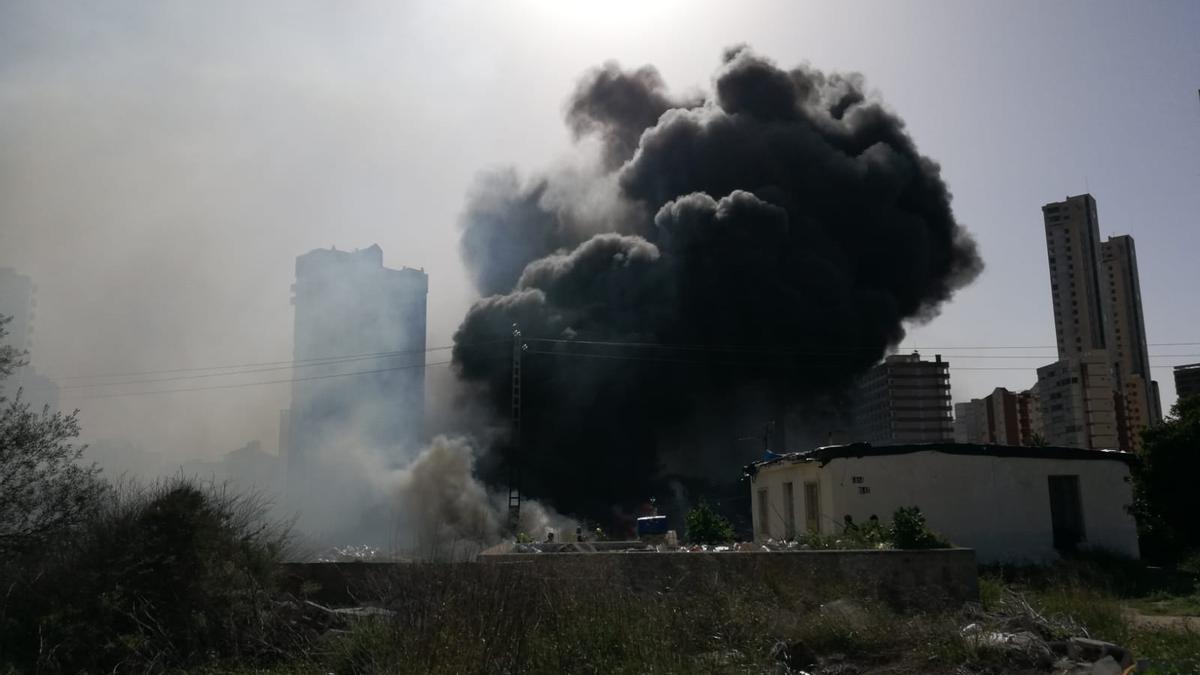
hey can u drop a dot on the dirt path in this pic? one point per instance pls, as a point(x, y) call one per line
point(1180, 623)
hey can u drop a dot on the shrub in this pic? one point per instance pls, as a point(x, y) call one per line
point(43, 489)
point(169, 577)
point(706, 526)
point(910, 531)
point(1165, 502)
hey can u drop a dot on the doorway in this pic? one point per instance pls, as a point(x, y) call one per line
point(812, 507)
point(1066, 512)
point(789, 511)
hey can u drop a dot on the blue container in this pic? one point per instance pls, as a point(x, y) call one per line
point(651, 525)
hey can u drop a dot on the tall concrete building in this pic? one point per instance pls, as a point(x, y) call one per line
point(904, 400)
point(1002, 417)
point(1029, 417)
point(970, 422)
point(1073, 249)
point(1097, 314)
point(360, 364)
point(18, 300)
point(1078, 402)
point(1127, 336)
point(1187, 380)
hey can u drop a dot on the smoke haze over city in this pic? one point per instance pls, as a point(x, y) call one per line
point(552, 164)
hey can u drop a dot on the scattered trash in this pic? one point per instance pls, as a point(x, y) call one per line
point(1023, 639)
point(794, 654)
point(1086, 649)
point(354, 553)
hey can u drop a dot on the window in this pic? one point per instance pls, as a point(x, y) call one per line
point(864, 490)
point(856, 479)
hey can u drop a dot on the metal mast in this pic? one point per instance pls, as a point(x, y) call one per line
point(514, 457)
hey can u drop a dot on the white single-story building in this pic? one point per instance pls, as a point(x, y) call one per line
point(1011, 504)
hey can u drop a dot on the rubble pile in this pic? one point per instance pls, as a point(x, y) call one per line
point(1020, 637)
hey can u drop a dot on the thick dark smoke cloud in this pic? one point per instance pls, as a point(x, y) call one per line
point(618, 106)
point(776, 236)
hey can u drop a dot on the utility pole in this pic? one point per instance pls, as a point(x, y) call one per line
point(768, 432)
point(514, 456)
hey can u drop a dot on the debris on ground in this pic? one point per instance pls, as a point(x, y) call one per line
point(1016, 637)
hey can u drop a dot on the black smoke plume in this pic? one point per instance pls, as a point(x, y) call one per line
point(751, 251)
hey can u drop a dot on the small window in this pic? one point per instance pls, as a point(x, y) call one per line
point(856, 479)
point(864, 490)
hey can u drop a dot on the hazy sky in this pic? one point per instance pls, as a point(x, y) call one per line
point(162, 163)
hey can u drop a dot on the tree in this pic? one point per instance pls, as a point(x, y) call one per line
point(706, 526)
point(43, 488)
point(1166, 502)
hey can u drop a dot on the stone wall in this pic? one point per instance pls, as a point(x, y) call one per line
point(900, 578)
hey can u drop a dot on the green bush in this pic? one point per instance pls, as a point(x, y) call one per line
point(910, 531)
point(1165, 502)
point(706, 526)
point(170, 577)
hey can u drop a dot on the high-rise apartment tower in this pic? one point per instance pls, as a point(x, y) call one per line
point(360, 360)
point(904, 400)
point(1126, 337)
point(1097, 319)
point(1073, 248)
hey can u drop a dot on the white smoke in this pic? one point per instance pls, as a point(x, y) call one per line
point(433, 508)
point(450, 514)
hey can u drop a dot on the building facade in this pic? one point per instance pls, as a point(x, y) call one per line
point(1029, 417)
point(904, 400)
point(18, 301)
point(1078, 403)
point(359, 351)
point(970, 421)
point(1187, 380)
point(1010, 504)
point(1002, 417)
point(1073, 252)
point(1126, 338)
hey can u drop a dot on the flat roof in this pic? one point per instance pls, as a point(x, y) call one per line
point(825, 454)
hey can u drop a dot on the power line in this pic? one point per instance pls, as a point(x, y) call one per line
point(231, 366)
point(769, 350)
point(314, 361)
point(816, 353)
point(620, 357)
point(952, 348)
point(255, 384)
point(270, 366)
point(232, 372)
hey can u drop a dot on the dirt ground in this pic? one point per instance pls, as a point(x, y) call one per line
point(1181, 623)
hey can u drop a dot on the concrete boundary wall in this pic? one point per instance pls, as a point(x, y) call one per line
point(902, 578)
